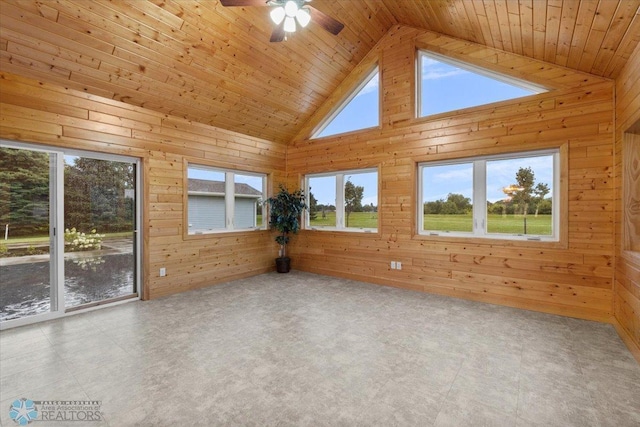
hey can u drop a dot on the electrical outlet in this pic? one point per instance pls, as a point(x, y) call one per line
point(398, 265)
point(163, 272)
point(393, 265)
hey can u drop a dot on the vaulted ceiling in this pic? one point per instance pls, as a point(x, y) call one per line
point(213, 64)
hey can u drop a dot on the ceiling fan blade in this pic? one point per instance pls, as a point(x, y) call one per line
point(229, 3)
point(327, 22)
point(278, 33)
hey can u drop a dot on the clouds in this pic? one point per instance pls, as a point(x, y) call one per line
point(371, 86)
point(447, 175)
point(435, 70)
point(439, 181)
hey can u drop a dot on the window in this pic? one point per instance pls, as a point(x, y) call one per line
point(511, 196)
point(359, 111)
point(343, 201)
point(445, 85)
point(221, 200)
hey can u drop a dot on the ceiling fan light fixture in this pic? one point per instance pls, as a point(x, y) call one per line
point(289, 25)
point(303, 16)
point(291, 8)
point(277, 15)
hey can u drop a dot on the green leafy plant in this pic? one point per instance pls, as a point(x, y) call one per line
point(285, 210)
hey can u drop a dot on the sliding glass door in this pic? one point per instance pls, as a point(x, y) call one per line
point(27, 221)
point(69, 232)
point(99, 235)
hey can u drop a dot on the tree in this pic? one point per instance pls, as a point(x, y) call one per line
point(24, 191)
point(352, 198)
point(462, 205)
point(313, 206)
point(455, 204)
point(95, 195)
point(540, 191)
point(521, 192)
point(369, 208)
point(433, 208)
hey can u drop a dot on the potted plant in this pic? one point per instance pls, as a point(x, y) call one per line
point(285, 210)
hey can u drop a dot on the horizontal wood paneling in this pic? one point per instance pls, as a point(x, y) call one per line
point(574, 278)
point(627, 272)
point(31, 111)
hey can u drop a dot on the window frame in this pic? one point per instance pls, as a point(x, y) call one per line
point(340, 202)
point(229, 198)
point(559, 195)
point(537, 89)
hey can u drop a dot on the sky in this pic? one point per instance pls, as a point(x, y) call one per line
point(447, 88)
point(361, 112)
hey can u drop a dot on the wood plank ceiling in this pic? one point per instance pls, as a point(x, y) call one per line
point(215, 65)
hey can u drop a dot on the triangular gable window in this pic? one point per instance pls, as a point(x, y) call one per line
point(361, 110)
point(445, 85)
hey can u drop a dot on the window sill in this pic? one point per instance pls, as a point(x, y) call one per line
point(515, 241)
point(205, 234)
point(373, 231)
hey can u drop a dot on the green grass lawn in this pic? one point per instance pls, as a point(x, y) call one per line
point(511, 224)
point(356, 220)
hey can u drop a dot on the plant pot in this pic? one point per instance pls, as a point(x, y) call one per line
point(283, 264)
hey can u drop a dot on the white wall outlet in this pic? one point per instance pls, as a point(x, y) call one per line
point(163, 272)
point(393, 265)
point(398, 265)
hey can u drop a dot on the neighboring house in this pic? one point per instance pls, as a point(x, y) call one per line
point(207, 205)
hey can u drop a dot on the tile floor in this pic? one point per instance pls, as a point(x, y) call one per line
point(306, 350)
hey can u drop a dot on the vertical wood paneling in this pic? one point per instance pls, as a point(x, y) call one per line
point(573, 278)
point(627, 148)
point(31, 111)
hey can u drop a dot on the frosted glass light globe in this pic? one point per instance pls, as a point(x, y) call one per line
point(291, 8)
point(277, 15)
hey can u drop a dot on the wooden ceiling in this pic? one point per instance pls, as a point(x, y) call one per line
point(207, 63)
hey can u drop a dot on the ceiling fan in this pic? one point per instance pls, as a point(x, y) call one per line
point(286, 13)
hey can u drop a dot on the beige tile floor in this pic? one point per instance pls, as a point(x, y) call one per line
point(302, 349)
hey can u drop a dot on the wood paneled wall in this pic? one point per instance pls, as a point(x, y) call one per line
point(31, 111)
point(627, 146)
point(574, 278)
